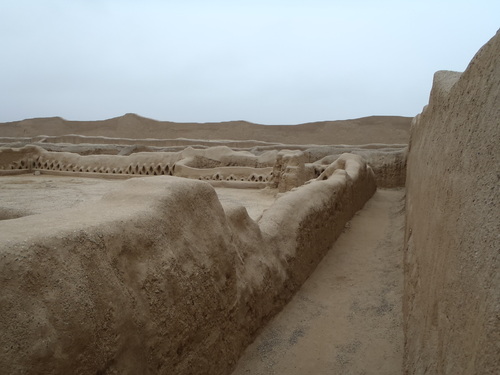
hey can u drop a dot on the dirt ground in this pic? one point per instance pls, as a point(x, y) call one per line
point(347, 317)
point(254, 200)
point(28, 194)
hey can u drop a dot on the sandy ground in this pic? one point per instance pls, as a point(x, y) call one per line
point(347, 317)
point(28, 194)
point(255, 200)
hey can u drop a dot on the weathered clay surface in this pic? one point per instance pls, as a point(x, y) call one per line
point(283, 169)
point(159, 277)
point(452, 292)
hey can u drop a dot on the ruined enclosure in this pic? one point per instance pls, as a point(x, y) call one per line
point(157, 254)
point(170, 255)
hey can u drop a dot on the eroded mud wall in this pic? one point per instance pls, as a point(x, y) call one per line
point(159, 278)
point(452, 282)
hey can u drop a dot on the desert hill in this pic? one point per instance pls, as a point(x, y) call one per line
point(373, 129)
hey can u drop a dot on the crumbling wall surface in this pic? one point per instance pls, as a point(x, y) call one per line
point(289, 170)
point(388, 163)
point(159, 278)
point(305, 222)
point(293, 235)
point(452, 278)
point(292, 167)
point(389, 167)
point(215, 163)
point(139, 283)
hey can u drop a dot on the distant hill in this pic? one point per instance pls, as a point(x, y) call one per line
point(374, 129)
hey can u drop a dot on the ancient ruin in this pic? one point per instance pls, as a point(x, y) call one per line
point(452, 284)
point(182, 241)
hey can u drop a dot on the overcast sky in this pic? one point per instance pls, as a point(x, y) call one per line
point(269, 61)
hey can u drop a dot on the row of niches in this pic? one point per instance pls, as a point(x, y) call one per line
point(55, 165)
point(133, 169)
point(254, 177)
point(318, 169)
point(22, 164)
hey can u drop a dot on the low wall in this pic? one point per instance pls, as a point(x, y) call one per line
point(292, 164)
point(159, 278)
point(33, 158)
point(388, 164)
point(451, 260)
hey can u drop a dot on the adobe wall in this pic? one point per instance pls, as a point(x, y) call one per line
point(451, 264)
point(215, 163)
point(387, 161)
point(281, 167)
point(159, 278)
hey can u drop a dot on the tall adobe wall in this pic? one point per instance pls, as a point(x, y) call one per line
point(452, 283)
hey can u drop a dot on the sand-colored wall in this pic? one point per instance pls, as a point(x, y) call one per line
point(215, 163)
point(388, 163)
point(284, 169)
point(452, 278)
point(158, 277)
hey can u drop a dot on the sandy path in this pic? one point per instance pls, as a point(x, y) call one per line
point(346, 318)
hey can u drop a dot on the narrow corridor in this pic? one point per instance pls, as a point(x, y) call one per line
point(347, 317)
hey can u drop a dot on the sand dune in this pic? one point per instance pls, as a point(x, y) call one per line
point(374, 129)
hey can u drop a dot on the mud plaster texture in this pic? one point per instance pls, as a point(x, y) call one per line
point(159, 276)
point(452, 278)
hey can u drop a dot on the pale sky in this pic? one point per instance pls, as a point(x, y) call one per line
point(264, 61)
